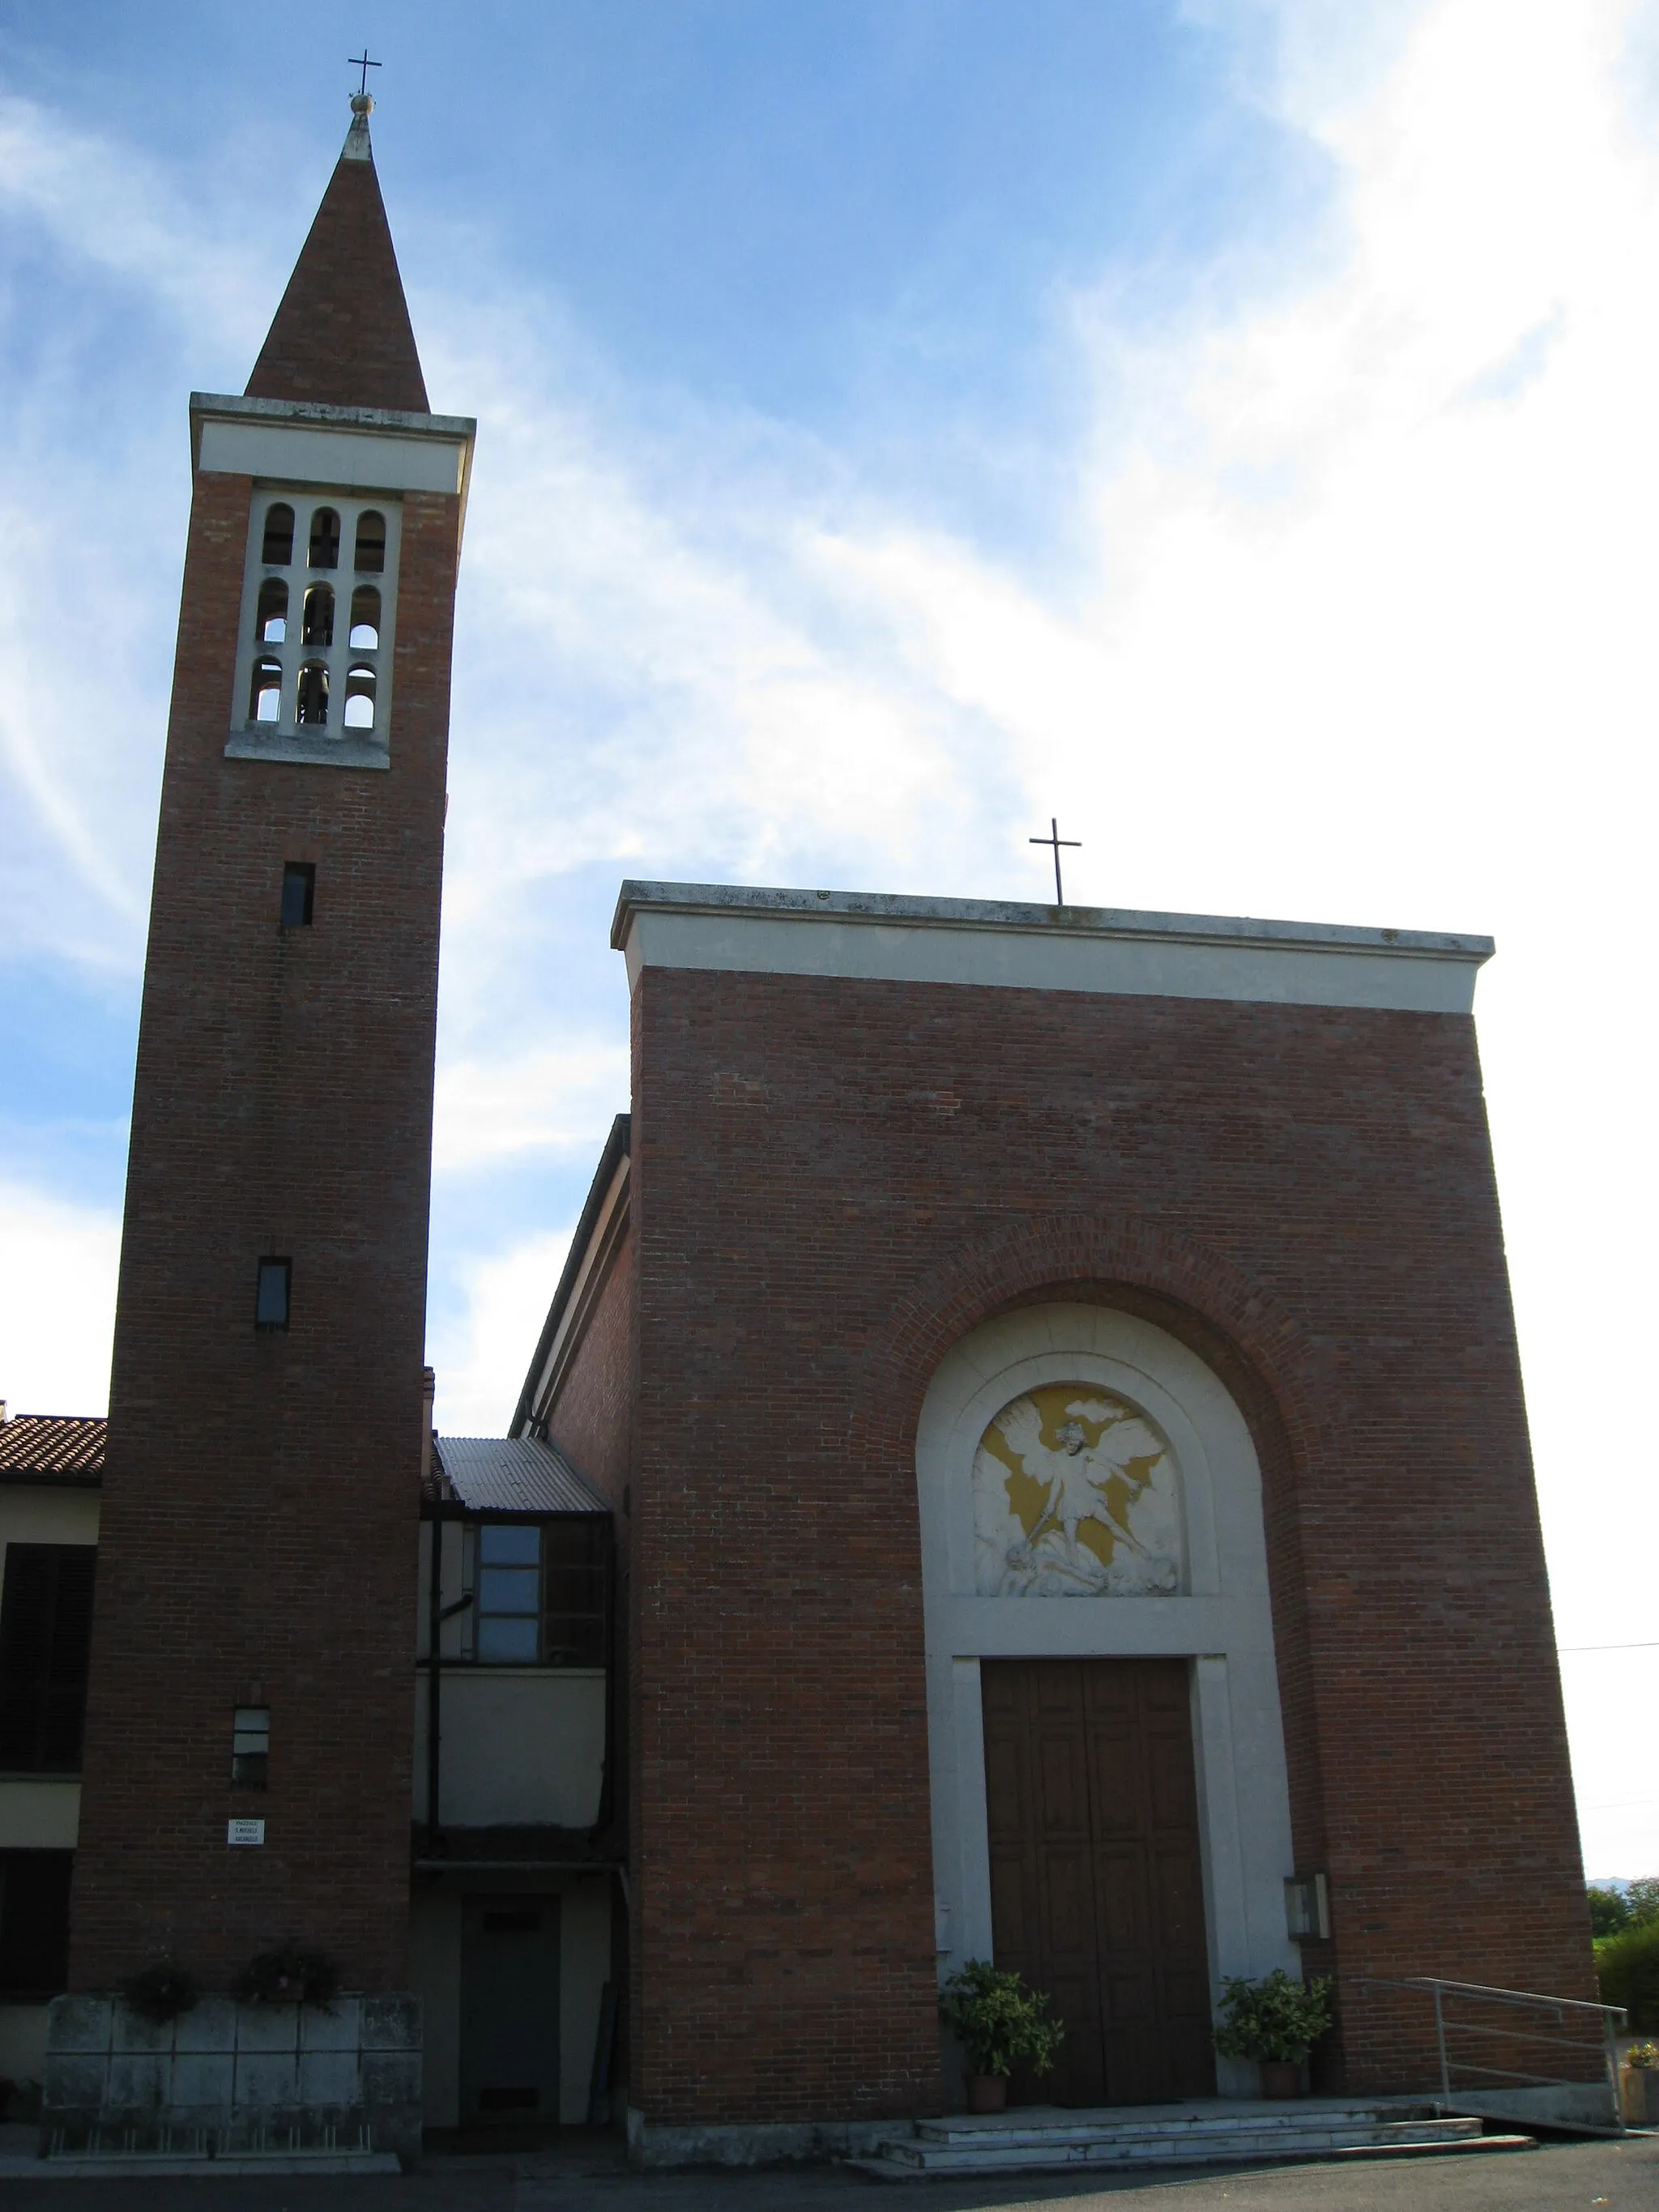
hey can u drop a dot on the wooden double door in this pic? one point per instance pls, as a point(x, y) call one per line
point(1097, 1888)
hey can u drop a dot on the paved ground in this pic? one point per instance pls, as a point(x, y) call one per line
point(1560, 2177)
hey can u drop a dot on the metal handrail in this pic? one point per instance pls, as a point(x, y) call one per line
point(1613, 2017)
point(1485, 1990)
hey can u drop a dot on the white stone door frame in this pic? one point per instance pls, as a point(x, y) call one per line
point(1222, 1620)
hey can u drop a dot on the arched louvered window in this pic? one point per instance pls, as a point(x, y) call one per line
point(364, 617)
point(325, 539)
point(278, 547)
point(359, 699)
point(271, 621)
point(318, 628)
point(312, 706)
point(370, 556)
point(265, 697)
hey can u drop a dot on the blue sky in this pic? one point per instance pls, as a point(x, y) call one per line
point(1227, 425)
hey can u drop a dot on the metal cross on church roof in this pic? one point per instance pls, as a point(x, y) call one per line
point(1054, 839)
point(361, 62)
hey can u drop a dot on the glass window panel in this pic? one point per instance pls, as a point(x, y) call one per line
point(573, 1641)
point(513, 1544)
point(576, 1543)
point(508, 1639)
point(271, 1309)
point(507, 1590)
point(573, 1589)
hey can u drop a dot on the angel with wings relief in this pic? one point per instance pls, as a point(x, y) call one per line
point(1074, 1497)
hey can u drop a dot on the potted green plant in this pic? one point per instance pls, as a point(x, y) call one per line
point(162, 1992)
point(1639, 2082)
point(1276, 2021)
point(1002, 2023)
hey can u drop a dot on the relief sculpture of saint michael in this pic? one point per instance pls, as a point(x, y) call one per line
point(1075, 1496)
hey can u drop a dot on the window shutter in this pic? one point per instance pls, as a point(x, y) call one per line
point(45, 1643)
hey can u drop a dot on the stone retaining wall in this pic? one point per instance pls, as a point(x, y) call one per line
point(241, 2076)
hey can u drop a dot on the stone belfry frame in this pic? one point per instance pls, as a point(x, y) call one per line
point(1221, 1621)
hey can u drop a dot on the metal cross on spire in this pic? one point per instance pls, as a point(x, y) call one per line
point(361, 62)
point(1054, 839)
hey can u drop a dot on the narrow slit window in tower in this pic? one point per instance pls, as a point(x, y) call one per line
point(265, 702)
point(325, 539)
point(314, 694)
point(278, 549)
point(270, 625)
point(359, 699)
point(299, 889)
point(319, 628)
point(364, 617)
point(250, 1747)
point(370, 556)
point(270, 1294)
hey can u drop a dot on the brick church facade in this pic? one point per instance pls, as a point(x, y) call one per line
point(893, 1164)
point(1026, 1457)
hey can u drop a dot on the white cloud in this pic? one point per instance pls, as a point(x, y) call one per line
point(559, 1098)
point(481, 1356)
point(57, 1303)
point(104, 205)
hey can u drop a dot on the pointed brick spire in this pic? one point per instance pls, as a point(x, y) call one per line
point(342, 334)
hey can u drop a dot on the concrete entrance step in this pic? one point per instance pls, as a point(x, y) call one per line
point(1043, 2139)
point(166, 2165)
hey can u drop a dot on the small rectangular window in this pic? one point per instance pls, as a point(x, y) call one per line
point(299, 888)
point(250, 1747)
point(270, 1299)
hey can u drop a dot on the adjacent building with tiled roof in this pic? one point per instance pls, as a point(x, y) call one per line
point(52, 1448)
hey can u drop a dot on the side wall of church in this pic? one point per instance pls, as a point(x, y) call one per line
point(833, 1181)
point(261, 1495)
point(591, 1417)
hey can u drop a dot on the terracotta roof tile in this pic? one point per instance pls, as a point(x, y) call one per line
point(48, 1444)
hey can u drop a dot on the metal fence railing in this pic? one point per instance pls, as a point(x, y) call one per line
point(1492, 2062)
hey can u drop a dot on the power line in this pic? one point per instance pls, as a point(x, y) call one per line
point(1562, 1649)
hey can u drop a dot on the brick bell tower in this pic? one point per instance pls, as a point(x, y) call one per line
point(248, 1742)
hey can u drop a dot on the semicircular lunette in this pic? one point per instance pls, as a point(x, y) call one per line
point(1076, 1494)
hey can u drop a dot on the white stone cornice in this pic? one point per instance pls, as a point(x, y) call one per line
point(352, 448)
point(882, 937)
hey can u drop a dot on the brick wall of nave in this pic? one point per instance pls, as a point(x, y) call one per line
point(835, 1179)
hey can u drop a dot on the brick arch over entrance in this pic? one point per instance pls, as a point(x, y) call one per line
point(1258, 1349)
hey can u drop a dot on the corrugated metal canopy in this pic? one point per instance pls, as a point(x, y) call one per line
point(514, 1474)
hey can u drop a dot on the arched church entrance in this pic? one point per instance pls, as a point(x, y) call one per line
point(1109, 1801)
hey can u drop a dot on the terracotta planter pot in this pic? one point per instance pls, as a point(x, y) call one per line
point(1640, 2086)
point(1280, 2077)
point(987, 2092)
